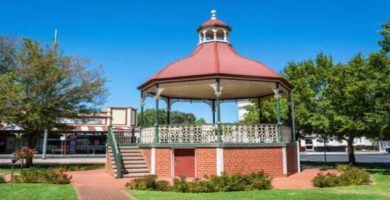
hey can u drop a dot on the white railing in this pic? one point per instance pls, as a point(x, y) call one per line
point(257, 133)
point(147, 135)
point(230, 133)
point(187, 134)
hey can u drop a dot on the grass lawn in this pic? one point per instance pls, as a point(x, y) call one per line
point(37, 192)
point(380, 189)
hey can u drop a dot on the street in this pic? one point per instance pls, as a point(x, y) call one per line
point(367, 157)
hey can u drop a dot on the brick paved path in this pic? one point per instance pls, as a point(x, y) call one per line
point(98, 185)
point(298, 181)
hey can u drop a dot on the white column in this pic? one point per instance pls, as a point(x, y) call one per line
point(215, 34)
point(224, 36)
point(153, 161)
point(44, 145)
point(219, 161)
point(298, 158)
point(284, 160)
point(204, 36)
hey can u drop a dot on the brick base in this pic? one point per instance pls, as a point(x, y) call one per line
point(247, 160)
point(205, 162)
point(236, 160)
point(109, 168)
point(163, 162)
point(147, 153)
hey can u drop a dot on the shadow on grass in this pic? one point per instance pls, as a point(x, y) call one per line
point(65, 167)
point(384, 167)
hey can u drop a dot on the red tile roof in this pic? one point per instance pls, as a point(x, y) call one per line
point(214, 59)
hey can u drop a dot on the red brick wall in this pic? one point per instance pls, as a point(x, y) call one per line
point(292, 157)
point(163, 162)
point(109, 168)
point(247, 160)
point(147, 153)
point(205, 162)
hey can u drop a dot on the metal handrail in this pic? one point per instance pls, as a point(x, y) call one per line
point(115, 152)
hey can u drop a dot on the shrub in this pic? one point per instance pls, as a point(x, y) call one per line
point(148, 183)
point(223, 183)
point(24, 154)
point(349, 176)
point(353, 175)
point(46, 176)
point(326, 180)
point(2, 180)
point(180, 184)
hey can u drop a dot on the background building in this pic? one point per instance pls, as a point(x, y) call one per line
point(88, 135)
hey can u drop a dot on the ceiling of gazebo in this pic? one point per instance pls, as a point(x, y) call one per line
point(203, 89)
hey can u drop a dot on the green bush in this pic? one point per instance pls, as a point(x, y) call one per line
point(2, 180)
point(349, 176)
point(148, 183)
point(50, 176)
point(326, 180)
point(223, 183)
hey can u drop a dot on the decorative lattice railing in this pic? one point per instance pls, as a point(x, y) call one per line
point(256, 133)
point(147, 135)
point(230, 133)
point(187, 134)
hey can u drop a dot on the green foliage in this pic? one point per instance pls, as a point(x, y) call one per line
point(50, 176)
point(223, 183)
point(385, 43)
point(267, 111)
point(349, 176)
point(7, 54)
point(176, 117)
point(149, 182)
point(2, 180)
point(45, 87)
point(326, 180)
point(180, 185)
point(200, 121)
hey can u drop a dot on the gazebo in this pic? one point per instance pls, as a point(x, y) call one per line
point(215, 73)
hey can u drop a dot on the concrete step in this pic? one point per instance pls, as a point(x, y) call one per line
point(130, 153)
point(127, 151)
point(134, 162)
point(133, 158)
point(133, 171)
point(132, 166)
point(136, 175)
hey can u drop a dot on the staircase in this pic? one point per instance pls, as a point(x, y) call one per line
point(133, 162)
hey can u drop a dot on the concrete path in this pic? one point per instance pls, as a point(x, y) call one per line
point(98, 185)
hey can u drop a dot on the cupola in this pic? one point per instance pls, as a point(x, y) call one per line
point(214, 30)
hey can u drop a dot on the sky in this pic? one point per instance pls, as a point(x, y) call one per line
point(132, 40)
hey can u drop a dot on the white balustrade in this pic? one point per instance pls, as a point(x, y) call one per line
point(147, 135)
point(234, 133)
point(256, 133)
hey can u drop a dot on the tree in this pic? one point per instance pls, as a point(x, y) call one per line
point(176, 117)
point(385, 43)
point(200, 121)
point(7, 54)
point(45, 87)
point(267, 111)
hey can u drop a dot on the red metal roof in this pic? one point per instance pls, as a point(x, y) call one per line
point(214, 59)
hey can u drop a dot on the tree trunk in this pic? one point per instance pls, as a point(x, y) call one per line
point(32, 138)
point(351, 151)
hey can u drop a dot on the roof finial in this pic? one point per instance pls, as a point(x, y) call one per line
point(213, 14)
